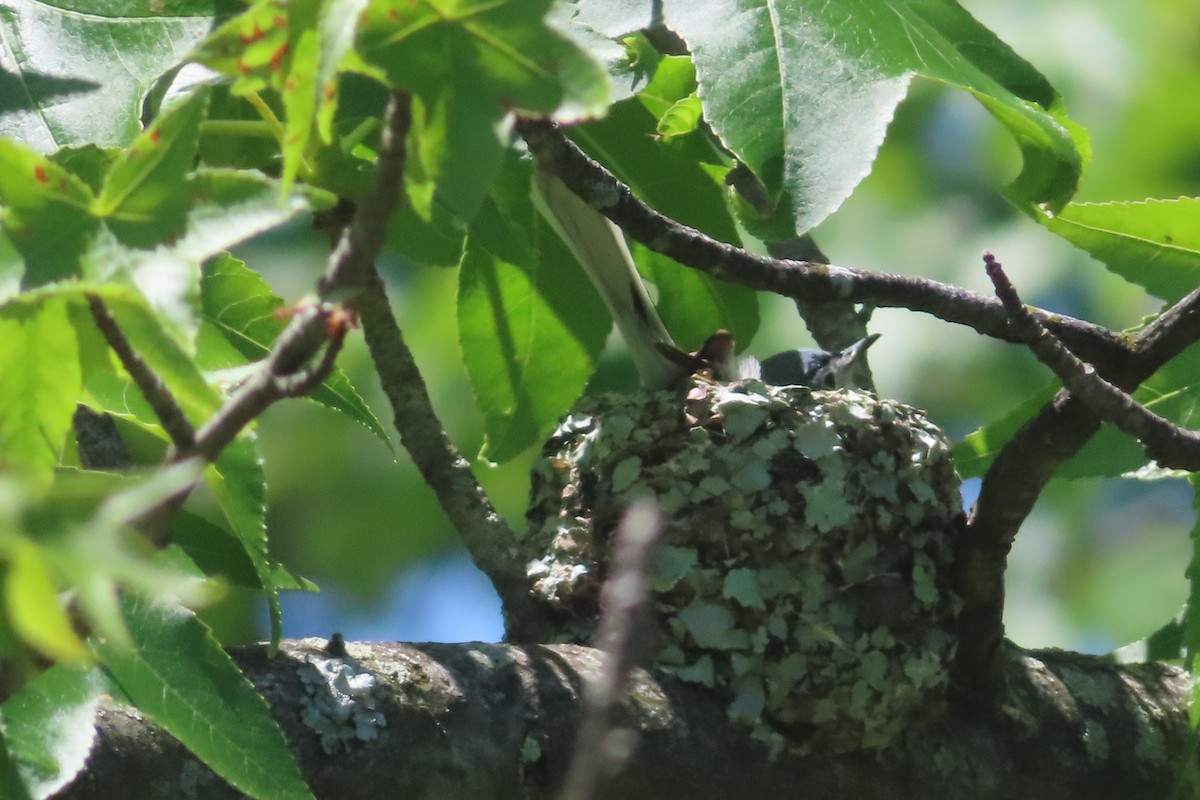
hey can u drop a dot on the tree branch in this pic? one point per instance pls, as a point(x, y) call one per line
point(352, 274)
point(284, 373)
point(810, 281)
point(152, 387)
point(1015, 480)
point(1163, 441)
point(490, 721)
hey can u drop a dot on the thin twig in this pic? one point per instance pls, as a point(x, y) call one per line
point(601, 746)
point(1165, 442)
point(352, 275)
point(152, 387)
point(797, 279)
point(284, 373)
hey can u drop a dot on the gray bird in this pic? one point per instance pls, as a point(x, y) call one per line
point(817, 369)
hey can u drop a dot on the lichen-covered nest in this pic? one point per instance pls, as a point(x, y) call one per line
point(804, 568)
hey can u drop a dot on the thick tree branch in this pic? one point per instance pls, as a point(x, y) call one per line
point(491, 721)
point(810, 281)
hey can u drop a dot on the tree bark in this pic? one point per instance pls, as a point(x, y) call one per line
point(485, 721)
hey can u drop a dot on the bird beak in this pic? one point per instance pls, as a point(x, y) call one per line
point(855, 351)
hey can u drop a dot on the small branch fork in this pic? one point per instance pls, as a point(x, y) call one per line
point(1169, 444)
point(288, 371)
point(1025, 464)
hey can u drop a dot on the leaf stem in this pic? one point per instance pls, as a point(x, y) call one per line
point(264, 111)
point(245, 128)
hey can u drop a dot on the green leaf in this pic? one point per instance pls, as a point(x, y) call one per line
point(87, 162)
point(11, 785)
point(501, 49)
point(33, 608)
point(217, 552)
point(320, 40)
point(673, 82)
point(802, 91)
point(76, 72)
point(628, 62)
point(470, 64)
point(39, 359)
point(681, 181)
point(99, 556)
point(530, 326)
point(145, 200)
point(436, 241)
point(1153, 243)
point(179, 676)
point(300, 102)
point(975, 453)
point(230, 206)
point(1108, 454)
point(227, 207)
point(239, 486)
point(50, 728)
point(241, 322)
point(45, 213)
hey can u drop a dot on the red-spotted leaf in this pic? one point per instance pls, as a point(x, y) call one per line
point(45, 214)
point(145, 200)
